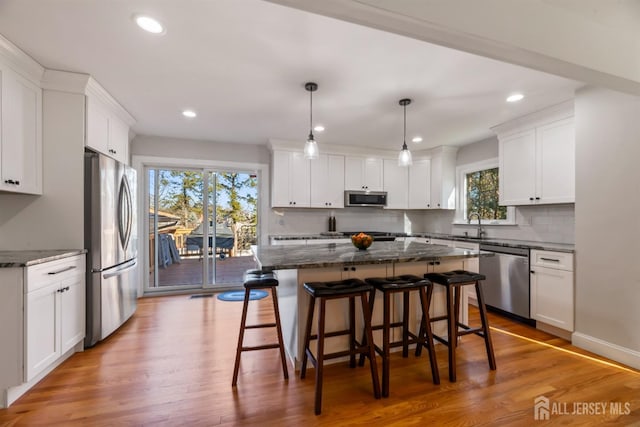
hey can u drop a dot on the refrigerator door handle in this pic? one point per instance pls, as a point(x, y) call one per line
point(121, 270)
point(124, 213)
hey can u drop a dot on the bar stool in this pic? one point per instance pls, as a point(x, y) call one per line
point(257, 279)
point(453, 281)
point(405, 284)
point(323, 291)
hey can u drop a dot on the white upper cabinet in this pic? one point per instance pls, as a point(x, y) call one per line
point(443, 178)
point(21, 133)
point(327, 181)
point(291, 178)
point(362, 173)
point(537, 158)
point(106, 132)
point(420, 184)
point(396, 184)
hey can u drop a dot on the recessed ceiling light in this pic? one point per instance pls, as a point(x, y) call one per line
point(189, 113)
point(319, 128)
point(149, 24)
point(417, 139)
point(515, 97)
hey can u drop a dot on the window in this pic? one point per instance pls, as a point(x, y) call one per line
point(478, 184)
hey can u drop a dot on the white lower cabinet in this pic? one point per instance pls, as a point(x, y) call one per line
point(47, 315)
point(552, 294)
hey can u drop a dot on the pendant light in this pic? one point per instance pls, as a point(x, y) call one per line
point(311, 146)
point(404, 158)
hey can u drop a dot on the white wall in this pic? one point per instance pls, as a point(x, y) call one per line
point(190, 149)
point(607, 232)
point(54, 220)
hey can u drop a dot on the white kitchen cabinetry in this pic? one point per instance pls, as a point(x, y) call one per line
point(552, 294)
point(290, 186)
point(443, 178)
point(396, 184)
point(21, 136)
point(106, 133)
point(54, 311)
point(43, 318)
point(327, 181)
point(537, 160)
point(363, 174)
point(420, 184)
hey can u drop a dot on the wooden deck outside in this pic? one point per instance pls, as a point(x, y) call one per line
point(188, 272)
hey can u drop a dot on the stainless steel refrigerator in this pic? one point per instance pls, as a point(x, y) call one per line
point(111, 239)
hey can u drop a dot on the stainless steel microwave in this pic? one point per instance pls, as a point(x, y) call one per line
point(365, 198)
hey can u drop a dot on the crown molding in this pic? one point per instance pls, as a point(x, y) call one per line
point(564, 110)
point(65, 81)
point(19, 61)
point(350, 150)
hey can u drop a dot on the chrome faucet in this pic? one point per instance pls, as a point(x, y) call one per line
point(480, 231)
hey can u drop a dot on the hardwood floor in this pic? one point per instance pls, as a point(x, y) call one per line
point(172, 363)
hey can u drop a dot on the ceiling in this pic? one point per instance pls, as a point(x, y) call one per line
point(242, 65)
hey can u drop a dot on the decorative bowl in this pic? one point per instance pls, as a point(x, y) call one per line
point(361, 240)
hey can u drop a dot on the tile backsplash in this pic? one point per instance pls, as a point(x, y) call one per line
point(547, 223)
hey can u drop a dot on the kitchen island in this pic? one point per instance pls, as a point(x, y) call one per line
point(296, 264)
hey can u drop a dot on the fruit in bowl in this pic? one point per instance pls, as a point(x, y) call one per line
point(361, 240)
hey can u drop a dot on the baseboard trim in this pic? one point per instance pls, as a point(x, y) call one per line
point(606, 349)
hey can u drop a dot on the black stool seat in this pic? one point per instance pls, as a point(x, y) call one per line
point(454, 277)
point(323, 291)
point(406, 281)
point(257, 279)
point(453, 281)
point(338, 287)
point(404, 284)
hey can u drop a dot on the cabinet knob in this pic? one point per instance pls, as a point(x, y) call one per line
point(438, 204)
point(353, 269)
point(345, 268)
point(17, 182)
point(294, 203)
point(537, 198)
point(531, 198)
point(428, 205)
point(532, 272)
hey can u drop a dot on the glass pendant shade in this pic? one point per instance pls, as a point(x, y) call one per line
point(404, 158)
point(311, 148)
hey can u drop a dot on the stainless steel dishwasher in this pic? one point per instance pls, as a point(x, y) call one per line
point(507, 285)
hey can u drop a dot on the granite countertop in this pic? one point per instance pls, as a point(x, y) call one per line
point(281, 257)
point(9, 259)
point(512, 243)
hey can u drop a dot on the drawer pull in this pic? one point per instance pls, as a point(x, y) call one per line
point(71, 267)
point(550, 259)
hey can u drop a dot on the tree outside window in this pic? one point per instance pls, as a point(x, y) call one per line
point(482, 195)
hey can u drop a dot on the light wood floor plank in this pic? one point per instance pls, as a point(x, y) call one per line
point(171, 365)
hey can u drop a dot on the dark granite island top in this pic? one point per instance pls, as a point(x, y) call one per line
point(344, 254)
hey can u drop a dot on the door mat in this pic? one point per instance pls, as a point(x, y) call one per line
point(201, 296)
point(239, 295)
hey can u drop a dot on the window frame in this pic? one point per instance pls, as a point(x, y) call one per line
point(460, 217)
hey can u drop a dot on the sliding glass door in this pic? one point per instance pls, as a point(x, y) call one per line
point(201, 225)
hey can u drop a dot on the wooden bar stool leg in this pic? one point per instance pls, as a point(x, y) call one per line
point(371, 345)
point(451, 339)
point(485, 327)
point(372, 298)
point(276, 311)
point(386, 331)
point(405, 324)
point(456, 310)
point(307, 338)
point(428, 336)
point(243, 322)
point(352, 332)
point(320, 356)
